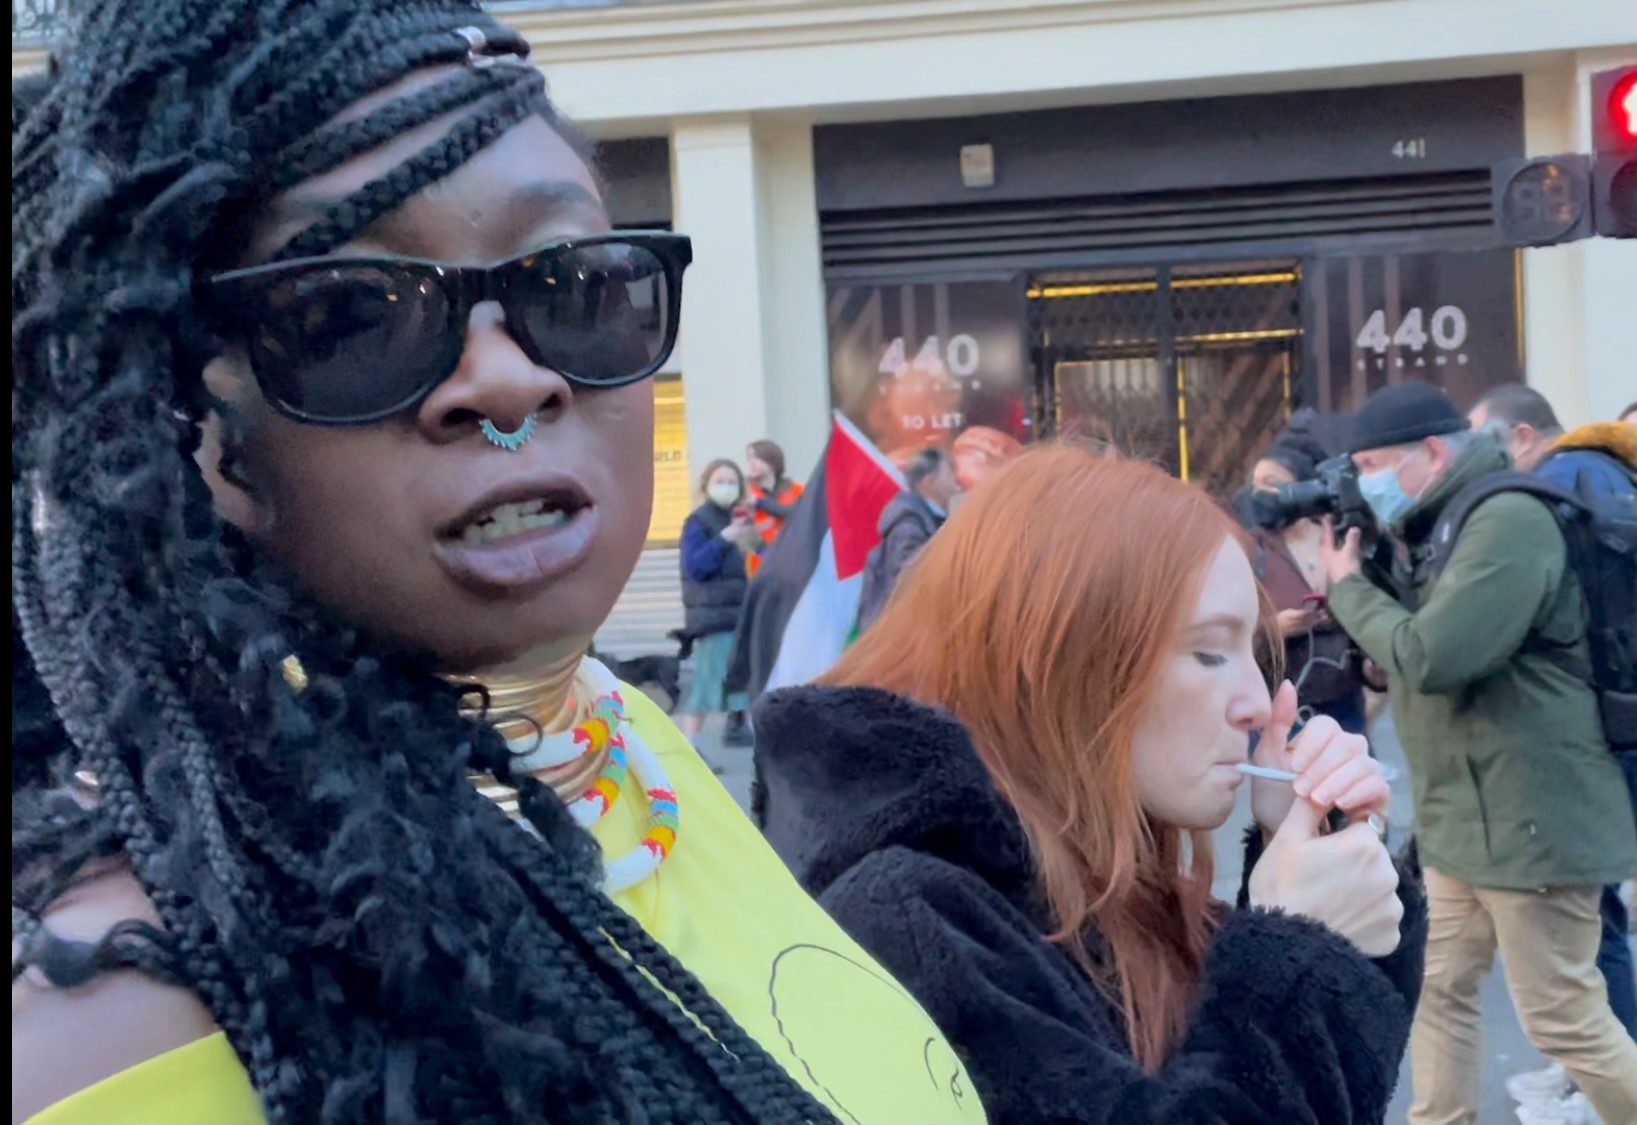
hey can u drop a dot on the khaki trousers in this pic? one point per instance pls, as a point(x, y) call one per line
point(1548, 945)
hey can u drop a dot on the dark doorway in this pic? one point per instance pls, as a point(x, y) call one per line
point(1192, 367)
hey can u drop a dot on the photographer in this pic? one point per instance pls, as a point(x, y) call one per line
point(1520, 809)
point(1289, 566)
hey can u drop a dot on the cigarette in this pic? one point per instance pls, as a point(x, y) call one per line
point(1336, 818)
point(1265, 772)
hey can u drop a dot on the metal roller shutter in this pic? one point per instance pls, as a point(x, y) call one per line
point(1436, 210)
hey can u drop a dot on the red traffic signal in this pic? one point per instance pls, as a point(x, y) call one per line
point(1614, 109)
point(1614, 163)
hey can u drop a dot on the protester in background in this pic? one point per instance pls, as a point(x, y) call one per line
point(716, 539)
point(1523, 420)
point(1006, 789)
point(270, 518)
point(979, 451)
point(1595, 459)
point(1597, 462)
point(909, 520)
point(772, 495)
point(1287, 563)
point(1521, 814)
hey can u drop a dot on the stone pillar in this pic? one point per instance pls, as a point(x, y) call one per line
point(752, 340)
point(717, 202)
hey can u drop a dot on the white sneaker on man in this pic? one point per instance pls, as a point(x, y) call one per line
point(1570, 1109)
point(1538, 1087)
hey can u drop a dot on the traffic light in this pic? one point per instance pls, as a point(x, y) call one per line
point(1542, 200)
point(1614, 156)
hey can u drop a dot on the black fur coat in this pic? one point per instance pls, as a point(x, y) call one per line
point(884, 812)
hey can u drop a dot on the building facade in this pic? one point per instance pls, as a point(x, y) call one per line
point(1164, 222)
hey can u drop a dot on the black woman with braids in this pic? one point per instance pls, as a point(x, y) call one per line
point(331, 452)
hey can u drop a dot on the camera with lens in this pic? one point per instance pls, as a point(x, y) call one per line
point(1332, 492)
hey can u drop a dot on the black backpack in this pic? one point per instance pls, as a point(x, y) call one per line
point(1601, 535)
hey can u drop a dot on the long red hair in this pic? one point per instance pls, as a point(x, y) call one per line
point(1042, 616)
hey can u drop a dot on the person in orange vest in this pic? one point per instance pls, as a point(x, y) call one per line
point(772, 495)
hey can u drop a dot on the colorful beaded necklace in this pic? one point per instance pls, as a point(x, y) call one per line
point(607, 728)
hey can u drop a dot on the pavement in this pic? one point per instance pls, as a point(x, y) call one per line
point(1507, 1050)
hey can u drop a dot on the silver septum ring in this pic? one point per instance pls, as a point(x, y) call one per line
point(511, 441)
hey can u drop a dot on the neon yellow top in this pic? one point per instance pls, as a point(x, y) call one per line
point(726, 907)
point(200, 1084)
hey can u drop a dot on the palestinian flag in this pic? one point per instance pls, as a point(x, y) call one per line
point(799, 613)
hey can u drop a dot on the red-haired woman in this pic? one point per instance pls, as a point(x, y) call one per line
point(1005, 792)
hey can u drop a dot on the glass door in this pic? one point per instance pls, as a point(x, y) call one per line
point(1191, 367)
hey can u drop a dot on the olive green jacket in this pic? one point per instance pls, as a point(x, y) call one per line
point(1515, 787)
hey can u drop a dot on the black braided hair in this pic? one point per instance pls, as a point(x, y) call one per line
point(377, 940)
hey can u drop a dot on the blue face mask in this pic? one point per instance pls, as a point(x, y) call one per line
point(1386, 497)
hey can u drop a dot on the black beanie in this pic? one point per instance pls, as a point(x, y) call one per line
point(1298, 453)
point(1401, 414)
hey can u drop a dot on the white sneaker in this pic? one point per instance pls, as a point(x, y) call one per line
point(1538, 1087)
point(1580, 1105)
point(1572, 1109)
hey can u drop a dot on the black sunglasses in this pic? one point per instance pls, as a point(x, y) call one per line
point(346, 341)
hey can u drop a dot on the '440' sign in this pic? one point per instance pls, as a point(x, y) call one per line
point(1447, 317)
point(1445, 331)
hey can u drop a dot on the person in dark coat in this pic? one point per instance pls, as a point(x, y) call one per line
point(1005, 792)
point(1591, 460)
point(908, 521)
point(715, 540)
point(1596, 462)
point(1286, 561)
